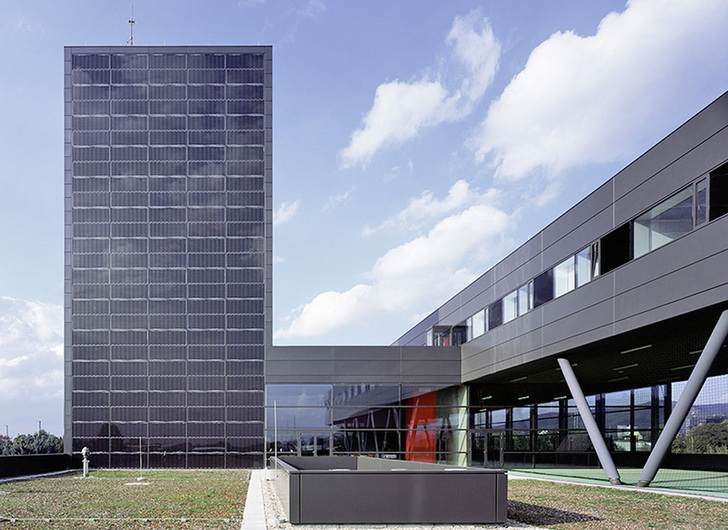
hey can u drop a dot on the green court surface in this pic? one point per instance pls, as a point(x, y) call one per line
point(709, 483)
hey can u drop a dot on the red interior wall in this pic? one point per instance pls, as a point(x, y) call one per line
point(421, 445)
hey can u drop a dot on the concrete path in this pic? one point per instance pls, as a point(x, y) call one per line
point(254, 513)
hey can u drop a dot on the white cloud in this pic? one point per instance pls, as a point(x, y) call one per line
point(24, 25)
point(401, 109)
point(427, 207)
point(393, 174)
point(591, 99)
point(250, 3)
point(285, 212)
point(31, 365)
point(306, 9)
point(423, 270)
point(476, 47)
point(311, 8)
point(338, 199)
point(328, 311)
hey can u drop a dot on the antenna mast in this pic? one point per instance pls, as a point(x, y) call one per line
point(131, 27)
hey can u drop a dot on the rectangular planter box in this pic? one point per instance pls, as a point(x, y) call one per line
point(364, 490)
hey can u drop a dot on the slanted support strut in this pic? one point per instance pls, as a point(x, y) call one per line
point(597, 440)
point(685, 403)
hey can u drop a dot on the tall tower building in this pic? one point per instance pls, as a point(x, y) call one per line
point(167, 253)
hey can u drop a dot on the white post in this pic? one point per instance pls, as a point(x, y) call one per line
point(141, 475)
point(605, 459)
point(275, 432)
point(684, 404)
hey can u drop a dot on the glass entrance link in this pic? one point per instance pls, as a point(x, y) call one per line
point(422, 423)
point(435, 424)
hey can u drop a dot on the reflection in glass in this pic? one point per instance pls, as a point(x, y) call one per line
point(153, 319)
point(298, 395)
point(583, 266)
point(664, 223)
point(564, 277)
point(701, 202)
point(510, 306)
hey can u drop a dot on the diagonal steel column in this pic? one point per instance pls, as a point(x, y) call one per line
point(685, 403)
point(597, 440)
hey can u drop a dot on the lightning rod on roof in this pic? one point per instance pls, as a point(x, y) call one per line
point(131, 27)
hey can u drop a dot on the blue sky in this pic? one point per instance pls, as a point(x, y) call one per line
point(416, 143)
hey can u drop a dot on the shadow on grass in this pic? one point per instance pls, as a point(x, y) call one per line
point(541, 515)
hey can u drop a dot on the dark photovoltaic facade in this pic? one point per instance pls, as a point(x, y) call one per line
point(167, 253)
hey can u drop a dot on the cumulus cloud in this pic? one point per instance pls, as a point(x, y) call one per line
point(590, 99)
point(31, 365)
point(427, 207)
point(401, 109)
point(285, 212)
point(424, 269)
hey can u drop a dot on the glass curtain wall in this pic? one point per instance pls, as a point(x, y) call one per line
point(554, 432)
point(419, 423)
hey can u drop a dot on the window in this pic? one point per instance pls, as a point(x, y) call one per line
point(441, 336)
point(576, 270)
point(719, 192)
point(495, 314)
point(476, 325)
point(564, 277)
point(701, 202)
point(510, 306)
point(615, 248)
point(664, 223)
point(543, 288)
point(525, 298)
point(583, 266)
point(459, 334)
point(596, 260)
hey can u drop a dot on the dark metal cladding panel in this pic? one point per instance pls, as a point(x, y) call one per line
point(411, 497)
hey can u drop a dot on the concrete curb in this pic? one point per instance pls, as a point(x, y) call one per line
point(254, 513)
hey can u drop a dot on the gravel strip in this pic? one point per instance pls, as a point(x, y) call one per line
point(275, 519)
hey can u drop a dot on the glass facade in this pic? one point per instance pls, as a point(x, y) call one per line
point(168, 171)
point(554, 433)
point(423, 423)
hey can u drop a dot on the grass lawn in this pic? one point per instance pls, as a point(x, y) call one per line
point(207, 499)
point(176, 499)
point(566, 506)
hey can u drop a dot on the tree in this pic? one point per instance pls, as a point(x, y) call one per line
point(706, 438)
point(41, 442)
point(5, 443)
